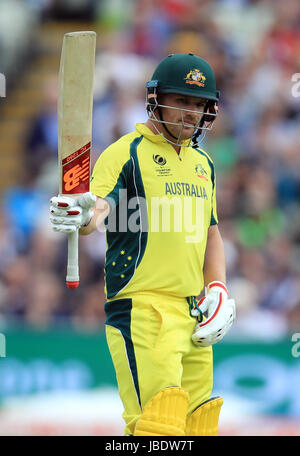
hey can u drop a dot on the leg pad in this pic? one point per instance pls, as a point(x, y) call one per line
point(205, 419)
point(165, 414)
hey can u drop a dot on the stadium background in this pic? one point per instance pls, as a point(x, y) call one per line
point(57, 377)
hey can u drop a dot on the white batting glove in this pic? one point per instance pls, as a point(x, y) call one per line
point(221, 315)
point(68, 214)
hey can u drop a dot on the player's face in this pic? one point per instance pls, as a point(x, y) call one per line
point(190, 118)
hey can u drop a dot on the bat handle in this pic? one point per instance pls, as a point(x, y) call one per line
point(72, 279)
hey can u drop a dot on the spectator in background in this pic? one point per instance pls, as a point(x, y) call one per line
point(19, 204)
point(44, 297)
point(80, 10)
point(255, 148)
point(41, 144)
point(15, 280)
point(8, 248)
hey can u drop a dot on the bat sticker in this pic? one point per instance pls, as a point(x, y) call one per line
point(76, 171)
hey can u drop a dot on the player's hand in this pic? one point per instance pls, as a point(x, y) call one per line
point(68, 214)
point(221, 315)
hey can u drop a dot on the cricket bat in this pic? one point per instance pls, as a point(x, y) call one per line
point(74, 109)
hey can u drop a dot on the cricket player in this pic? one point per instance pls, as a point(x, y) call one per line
point(155, 188)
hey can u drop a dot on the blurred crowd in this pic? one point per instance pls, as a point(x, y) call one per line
point(254, 48)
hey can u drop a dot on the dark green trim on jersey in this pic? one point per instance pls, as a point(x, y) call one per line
point(127, 228)
point(118, 315)
point(140, 191)
point(213, 221)
point(121, 184)
point(213, 180)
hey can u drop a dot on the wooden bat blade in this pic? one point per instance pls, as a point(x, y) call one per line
point(75, 109)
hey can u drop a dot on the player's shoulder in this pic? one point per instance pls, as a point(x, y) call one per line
point(119, 149)
point(126, 140)
point(207, 161)
point(204, 154)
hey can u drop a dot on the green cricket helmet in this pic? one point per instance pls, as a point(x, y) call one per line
point(184, 74)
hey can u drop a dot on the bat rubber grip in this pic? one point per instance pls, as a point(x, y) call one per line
point(72, 284)
point(72, 279)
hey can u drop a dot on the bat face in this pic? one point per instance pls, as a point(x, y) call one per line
point(74, 110)
point(75, 105)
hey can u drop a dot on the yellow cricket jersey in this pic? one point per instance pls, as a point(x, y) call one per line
point(163, 204)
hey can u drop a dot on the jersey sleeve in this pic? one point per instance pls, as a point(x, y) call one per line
point(109, 175)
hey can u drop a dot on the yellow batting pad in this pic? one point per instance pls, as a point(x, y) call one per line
point(205, 419)
point(165, 414)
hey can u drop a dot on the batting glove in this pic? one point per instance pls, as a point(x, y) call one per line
point(221, 314)
point(69, 214)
